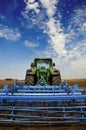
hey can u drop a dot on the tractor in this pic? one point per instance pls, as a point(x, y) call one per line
point(43, 67)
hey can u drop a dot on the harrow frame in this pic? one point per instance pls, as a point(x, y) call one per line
point(45, 104)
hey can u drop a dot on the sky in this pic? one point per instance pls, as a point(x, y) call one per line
point(42, 28)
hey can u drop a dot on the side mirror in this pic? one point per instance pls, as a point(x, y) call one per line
point(53, 64)
point(32, 65)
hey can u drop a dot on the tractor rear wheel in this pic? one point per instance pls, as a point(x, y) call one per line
point(29, 78)
point(55, 78)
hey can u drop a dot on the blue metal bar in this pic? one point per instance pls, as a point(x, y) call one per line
point(40, 97)
point(42, 104)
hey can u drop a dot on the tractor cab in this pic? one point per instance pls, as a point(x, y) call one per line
point(45, 63)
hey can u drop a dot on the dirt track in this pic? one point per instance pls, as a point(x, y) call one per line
point(44, 127)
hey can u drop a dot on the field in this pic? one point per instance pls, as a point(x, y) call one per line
point(71, 82)
point(9, 82)
point(80, 82)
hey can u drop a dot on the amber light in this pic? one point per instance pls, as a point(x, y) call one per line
point(32, 68)
point(53, 69)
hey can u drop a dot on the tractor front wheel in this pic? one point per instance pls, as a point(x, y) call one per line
point(55, 78)
point(29, 78)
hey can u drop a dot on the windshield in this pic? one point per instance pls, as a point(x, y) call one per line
point(43, 64)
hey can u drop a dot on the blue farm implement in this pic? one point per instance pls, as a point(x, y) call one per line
point(23, 104)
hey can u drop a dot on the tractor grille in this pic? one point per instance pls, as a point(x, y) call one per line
point(43, 74)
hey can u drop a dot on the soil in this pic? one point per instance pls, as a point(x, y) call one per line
point(44, 127)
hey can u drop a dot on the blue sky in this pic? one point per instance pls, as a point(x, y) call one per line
point(42, 28)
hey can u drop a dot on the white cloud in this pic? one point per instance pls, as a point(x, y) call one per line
point(32, 15)
point(77, 25)
point(30, 44)
point(84, 26)
point(8, 33)
point(56, 36)
point(76, 39)
point(49, 5)
point(32, 5)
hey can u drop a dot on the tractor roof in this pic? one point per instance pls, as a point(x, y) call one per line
point(43, 58)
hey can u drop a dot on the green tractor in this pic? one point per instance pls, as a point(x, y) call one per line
point(42, 67)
